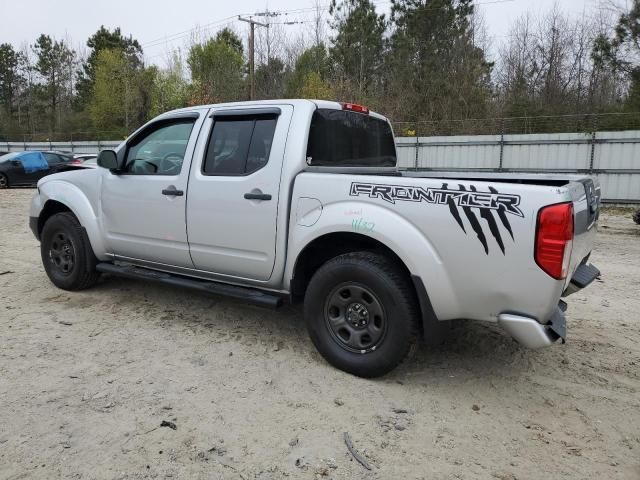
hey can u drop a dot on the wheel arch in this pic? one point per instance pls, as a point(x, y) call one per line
point(330, 245)
point(50, 208)
point(59, 196)
point(5, 174)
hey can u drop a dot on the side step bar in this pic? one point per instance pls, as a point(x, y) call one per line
point(244, 293)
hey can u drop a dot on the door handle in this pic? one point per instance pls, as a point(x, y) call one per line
point(257, 196)
point(172, 191)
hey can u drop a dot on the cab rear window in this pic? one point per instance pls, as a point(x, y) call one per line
point(349, 139)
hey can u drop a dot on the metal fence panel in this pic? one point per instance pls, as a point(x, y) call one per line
point(617, 150)
point(620, 187)
point(614, 157)
point(478, 152)
point(558, 151)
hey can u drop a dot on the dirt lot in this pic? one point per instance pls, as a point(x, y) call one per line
point(87, 378)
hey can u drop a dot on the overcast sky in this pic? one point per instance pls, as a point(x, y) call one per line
point(149, 20)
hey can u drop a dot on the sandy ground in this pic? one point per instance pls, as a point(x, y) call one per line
point(87, 378)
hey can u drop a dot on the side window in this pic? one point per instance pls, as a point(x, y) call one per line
point(239, 145)
point(52, 158)
point(161, 150)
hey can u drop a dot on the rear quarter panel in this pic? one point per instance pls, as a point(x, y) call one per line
point(475, 261)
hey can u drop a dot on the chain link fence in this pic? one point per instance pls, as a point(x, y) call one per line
point(581, 123)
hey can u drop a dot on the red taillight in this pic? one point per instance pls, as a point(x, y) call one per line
point(554, 239)
point(354, 107)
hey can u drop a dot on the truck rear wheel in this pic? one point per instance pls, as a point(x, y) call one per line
point(66, 253)
point(361, 313)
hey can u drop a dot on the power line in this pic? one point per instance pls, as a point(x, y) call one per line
point(277, 13)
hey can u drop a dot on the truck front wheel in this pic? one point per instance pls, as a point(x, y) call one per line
point(66, 253)
point(361, 313)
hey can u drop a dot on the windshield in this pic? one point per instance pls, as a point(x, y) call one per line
point(350, 139)
point(9, 156)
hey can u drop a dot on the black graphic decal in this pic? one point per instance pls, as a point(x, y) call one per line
point(503, 216)
point(473, 220)
point(493, 226)
point(485, 202)
point(453, 209)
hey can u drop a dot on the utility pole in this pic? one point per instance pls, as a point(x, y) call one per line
point(252, 23)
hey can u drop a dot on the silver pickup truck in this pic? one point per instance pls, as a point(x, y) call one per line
point(301, 200)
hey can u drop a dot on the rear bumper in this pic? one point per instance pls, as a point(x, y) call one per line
point(532, 334)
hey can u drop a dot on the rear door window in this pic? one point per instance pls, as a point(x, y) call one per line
point(350, 139)
point(239, 145)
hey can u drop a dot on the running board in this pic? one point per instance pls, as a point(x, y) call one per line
point(252, 295)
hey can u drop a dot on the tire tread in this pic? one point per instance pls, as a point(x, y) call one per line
point(87, 276)
point(379, 263)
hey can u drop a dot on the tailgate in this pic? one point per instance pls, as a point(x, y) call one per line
point(586, 205)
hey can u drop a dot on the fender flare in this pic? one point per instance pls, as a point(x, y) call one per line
point(75, 200)
point(392, 230)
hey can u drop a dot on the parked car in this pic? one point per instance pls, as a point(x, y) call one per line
point(26, 168)
point(83, 158)
point(301, 200)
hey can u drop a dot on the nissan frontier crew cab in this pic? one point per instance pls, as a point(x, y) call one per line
point(301, 200)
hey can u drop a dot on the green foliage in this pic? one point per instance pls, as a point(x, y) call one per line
point(54, 62)
point(313, 60)
point(423, 66)
point(170, 89)
point(621, 52)
point(433, 68)
point(216, 70)
point(105, 39)
point(9, 76)
point(120, 100)
point(228, 36)
point(358, 46)
point(271, 79)
point(315, 87)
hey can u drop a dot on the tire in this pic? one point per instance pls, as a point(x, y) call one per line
point(361, 313)
point(636, 216)
point(66, 253)
point(4, 181)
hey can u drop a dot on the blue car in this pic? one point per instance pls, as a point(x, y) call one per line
point(26, 168)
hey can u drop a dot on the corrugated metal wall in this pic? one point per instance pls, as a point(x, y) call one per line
point(614, 157)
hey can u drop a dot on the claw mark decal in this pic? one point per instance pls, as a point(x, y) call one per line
point(473, 220)
point(503, 216)
point(493, 226)
point(467, 200)
point(453, 209)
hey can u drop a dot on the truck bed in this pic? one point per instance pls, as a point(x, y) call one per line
point(525, 178)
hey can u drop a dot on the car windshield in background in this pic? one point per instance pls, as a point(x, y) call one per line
point(9, 156)
point(349, 139)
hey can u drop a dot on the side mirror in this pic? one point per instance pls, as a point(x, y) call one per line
point(16, 163)
point(108, 159)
